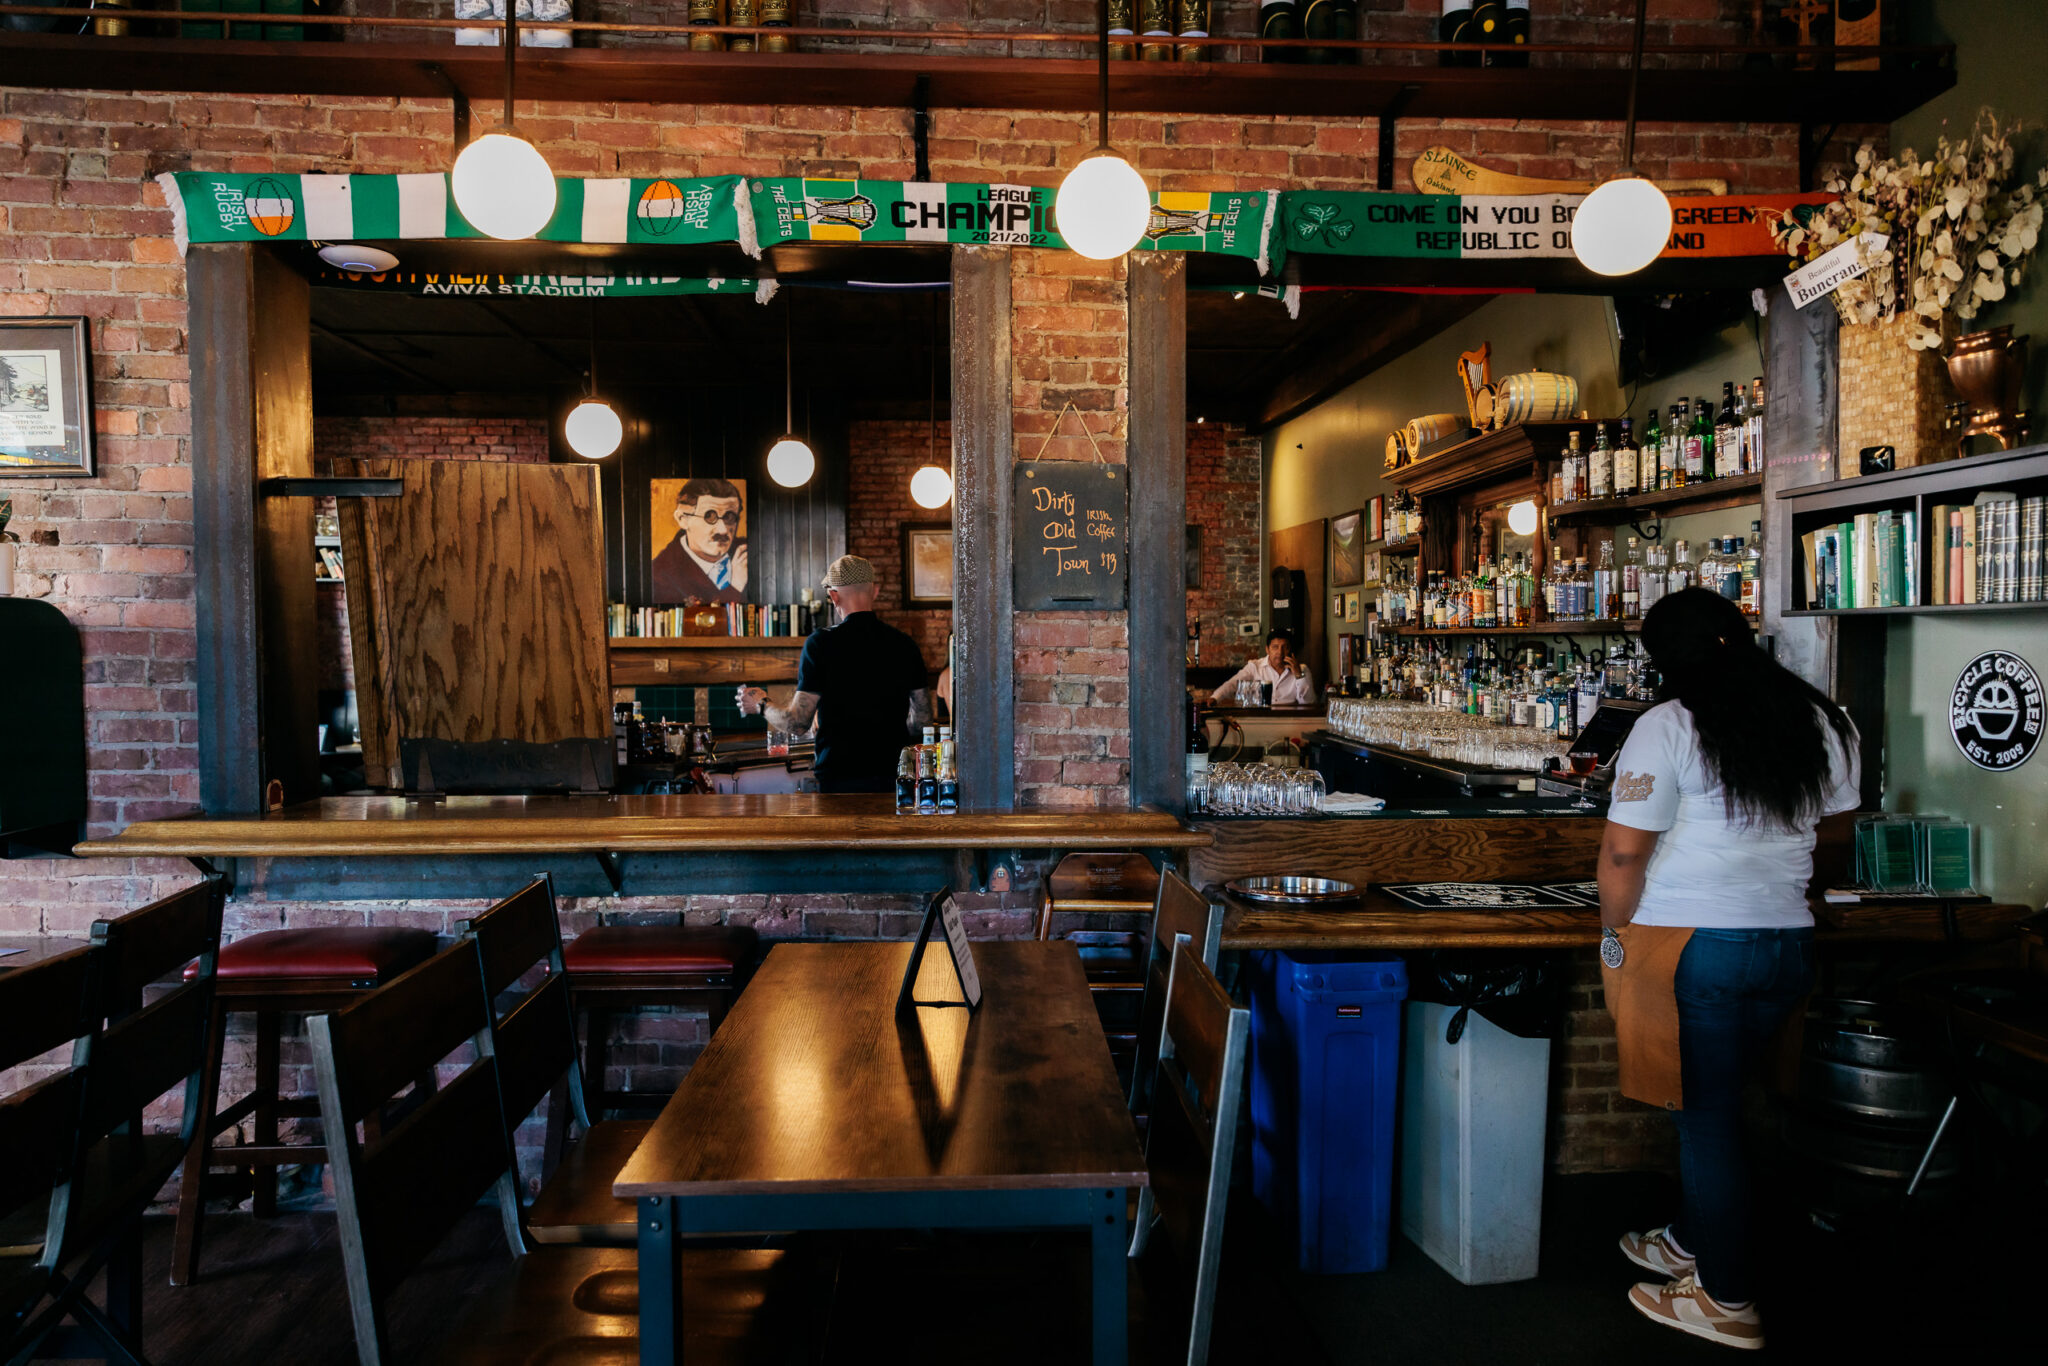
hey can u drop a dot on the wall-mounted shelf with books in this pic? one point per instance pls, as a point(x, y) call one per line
point(1869, 545)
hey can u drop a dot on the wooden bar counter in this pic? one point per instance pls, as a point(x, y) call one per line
point(389, 847)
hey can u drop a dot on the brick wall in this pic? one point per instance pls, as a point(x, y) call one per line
point(884, 455)
point(520, 439)
point(1223, 499)
point(85, 231)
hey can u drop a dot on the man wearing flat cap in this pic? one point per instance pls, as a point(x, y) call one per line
point(863, 680)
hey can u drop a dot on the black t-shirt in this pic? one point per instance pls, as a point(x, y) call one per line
point(863, 671)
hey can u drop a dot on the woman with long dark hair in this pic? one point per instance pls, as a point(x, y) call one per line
point(1709, 942)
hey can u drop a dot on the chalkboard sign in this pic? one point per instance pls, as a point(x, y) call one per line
point(1070, 518)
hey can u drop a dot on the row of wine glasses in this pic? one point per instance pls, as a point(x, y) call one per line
point(1229, 789)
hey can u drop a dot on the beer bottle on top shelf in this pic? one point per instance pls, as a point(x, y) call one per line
point(706, 14)
point(1330, 19)
point(1279, 19)
point(743, 14)
point(1191, 20)
point(1122, 18)
point(1456, 27)
point(1514, 29)
point(1155, 20)
point(776, 14)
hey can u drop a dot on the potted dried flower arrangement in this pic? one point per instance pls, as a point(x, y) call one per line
point(1939, 238)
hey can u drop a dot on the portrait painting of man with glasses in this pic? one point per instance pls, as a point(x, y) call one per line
point(705, 559)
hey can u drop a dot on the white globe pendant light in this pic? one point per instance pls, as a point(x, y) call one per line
point(501, 182)
point(790, 461)
point(1522, 518)
point(1103, 208)
point(1625, 223)
point(593, 429)
point(931, 487)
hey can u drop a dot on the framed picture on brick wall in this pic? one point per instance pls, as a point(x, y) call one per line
point(927, 564)
point(45, 397)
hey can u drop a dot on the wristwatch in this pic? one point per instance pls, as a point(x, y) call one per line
point(1611, 952)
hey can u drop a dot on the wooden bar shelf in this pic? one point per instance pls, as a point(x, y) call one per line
point(1489, 457)
point(700, 661)
point(1734, 491)
point(649, 74)
point(1541, 628)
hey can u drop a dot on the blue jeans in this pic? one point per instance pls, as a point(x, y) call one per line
point(1735, 988)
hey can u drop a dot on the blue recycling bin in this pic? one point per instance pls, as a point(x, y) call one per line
point(1326, 1057)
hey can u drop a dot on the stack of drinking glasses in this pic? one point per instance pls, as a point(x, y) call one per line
point(1263, 790)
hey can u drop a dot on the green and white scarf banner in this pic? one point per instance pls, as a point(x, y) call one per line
point(340, 208)
point(1432, 226)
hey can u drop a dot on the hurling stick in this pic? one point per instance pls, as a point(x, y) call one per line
point(1439, 170)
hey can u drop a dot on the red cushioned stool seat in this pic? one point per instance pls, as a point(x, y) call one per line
point(365, 954)
point(659, 948)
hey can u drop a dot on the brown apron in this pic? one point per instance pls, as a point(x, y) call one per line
point(1644, 1004)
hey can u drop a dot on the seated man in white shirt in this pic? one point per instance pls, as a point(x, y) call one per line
point(1292, 687)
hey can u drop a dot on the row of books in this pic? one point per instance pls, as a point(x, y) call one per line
point(1992, 549)
point(1997, 550)
point(767, 620)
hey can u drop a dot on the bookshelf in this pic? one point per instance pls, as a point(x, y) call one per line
point(1817, 507)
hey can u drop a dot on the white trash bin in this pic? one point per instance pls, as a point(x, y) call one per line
point(1472, 1124)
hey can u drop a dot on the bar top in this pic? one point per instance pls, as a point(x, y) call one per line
point(626, 824)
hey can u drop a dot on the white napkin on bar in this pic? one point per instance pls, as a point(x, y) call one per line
point(1351, 804)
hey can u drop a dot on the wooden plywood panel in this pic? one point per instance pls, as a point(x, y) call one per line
point(485, 604)
point(1303, 547)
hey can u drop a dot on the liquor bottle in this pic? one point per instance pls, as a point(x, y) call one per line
point(1155, 20)
point(1756, 426)
point(1682, 569)
point(1693, 445)
point(1632, 582)
point(1674, 444)
point(1514, 29)
point(1574, 471)
point(1606, 603)
point(1578, 588)
point(1753, 571)
point(1707, 573)
point(1198, 757)
point(1625, 462)
point(949, 772)
point(1191, 20)
point(1278, 19)
point(1122, 19)
point(706, 14)
point(1728, 434)
point(1553, 582)
point(1330, 19)
point(1656, 569)
point(928, 772)
point(775, 14)
point(1651, 462)
point(906, 779)
point(744, 14)
point(1600, 466)
point(1731, 569)
point(1456, 27)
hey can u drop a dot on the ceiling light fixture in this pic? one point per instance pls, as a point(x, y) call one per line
point(593, 429)
point(790, 462)
point(501, 182)
point(1103, 207)
point(353, 256)
point(932, 485)
point(1522, 518)
point(1626, 222)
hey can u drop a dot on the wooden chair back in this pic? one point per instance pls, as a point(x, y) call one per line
point(534, 1038)
point(1182, 915)
point(146, 1050)
point(398, 1195)
point(1192, 1135)
point(49, 1006)
point(1098, 884)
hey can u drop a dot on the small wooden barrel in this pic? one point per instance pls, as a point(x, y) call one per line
point(1397, 448)
point(1537, 396)
point(1425, 429)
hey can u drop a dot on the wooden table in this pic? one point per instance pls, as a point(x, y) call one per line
point(815, 1106)
point(30, 949)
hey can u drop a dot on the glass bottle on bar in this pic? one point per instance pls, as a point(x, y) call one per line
point(1728, 433)
point(928, 772)
point(745, 14)
point(1191, 20)
point(1122, 19)
point(1574, 471)
point(1632, 582)
point(1600, 466)
point(1455, 26)
point(1756, 426)
point(1606, 604)
point(706, 14)
point(1155, 20)
point(1753, 571)
point(1651, 461)
point(1279, 19)
point(1656, 571)
point(1330, 19)
point(1682, 569)
point(906, 779)
point(949, 773)
point(775, 14)
point(1625, 462)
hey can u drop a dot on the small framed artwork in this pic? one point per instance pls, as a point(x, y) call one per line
point(45, 397)
point(927, 564)
point(1337, 606)
point(1372, 566)
point(1376, 519)
point(1347, 548)
point(1351, 607)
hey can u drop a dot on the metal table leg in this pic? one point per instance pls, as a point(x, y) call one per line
point(661, 1341)
point(1109, 1311)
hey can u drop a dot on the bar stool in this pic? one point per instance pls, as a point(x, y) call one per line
point(619, 967)
point(271, 975)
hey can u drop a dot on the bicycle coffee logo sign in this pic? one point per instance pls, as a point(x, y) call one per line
point(1995, 711)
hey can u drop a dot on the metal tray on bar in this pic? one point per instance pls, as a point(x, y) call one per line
point(1291, 890)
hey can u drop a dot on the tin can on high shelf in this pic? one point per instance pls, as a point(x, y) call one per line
point(1191, 19)
point(742, 14)
point(1122, 14)
point(707, 13)
point(775, 14)
point(1155, 20)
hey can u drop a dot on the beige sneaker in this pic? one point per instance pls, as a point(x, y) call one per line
point(1689, 1309)
point(1654, 1251)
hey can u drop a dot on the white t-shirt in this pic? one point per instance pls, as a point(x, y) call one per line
point(1708, 870)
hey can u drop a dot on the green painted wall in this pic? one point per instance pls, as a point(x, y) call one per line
point(2000, 48)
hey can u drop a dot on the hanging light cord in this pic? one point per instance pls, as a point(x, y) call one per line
point(593, 343)
point(511, 51)
point(931, 433)
point(1102, 73)
point(1635, 73)
point(788, 369)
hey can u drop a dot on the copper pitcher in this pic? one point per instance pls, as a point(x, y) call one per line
point(1987, 369)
